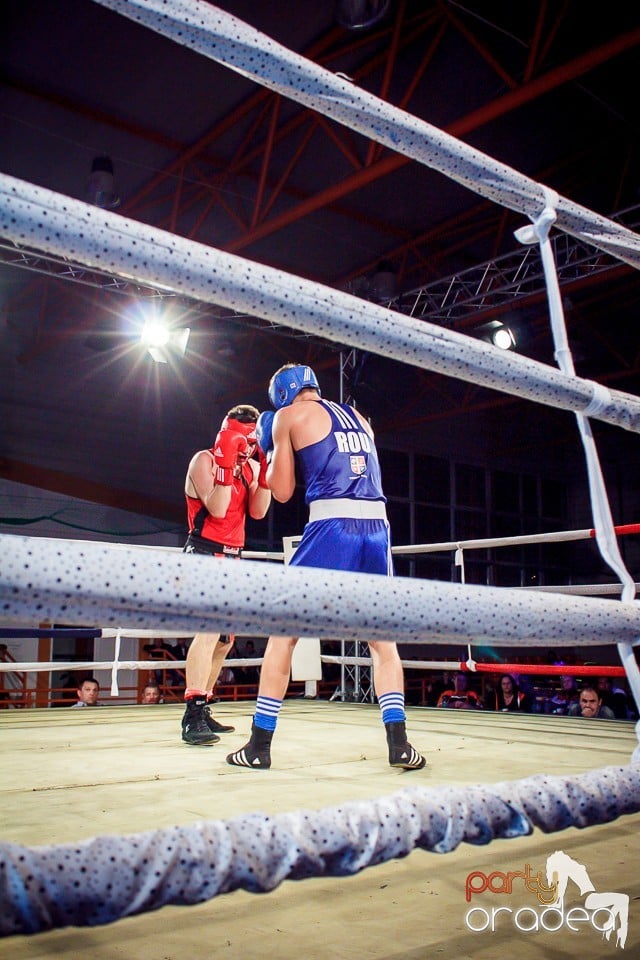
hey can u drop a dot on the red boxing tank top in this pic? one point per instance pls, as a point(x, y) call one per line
point(230, 529)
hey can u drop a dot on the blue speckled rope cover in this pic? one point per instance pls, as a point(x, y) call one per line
point(224, 38)
point(68, 581)
point(43, 888)
point(41, 219)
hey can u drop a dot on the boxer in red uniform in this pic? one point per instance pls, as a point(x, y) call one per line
point(223, 484)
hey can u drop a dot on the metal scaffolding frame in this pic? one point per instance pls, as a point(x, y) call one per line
point(449, 302)
point(356, 680)
point(516, 276)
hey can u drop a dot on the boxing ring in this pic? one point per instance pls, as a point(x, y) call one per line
point(129, 870)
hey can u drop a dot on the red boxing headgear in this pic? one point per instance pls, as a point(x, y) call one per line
point(248, 429)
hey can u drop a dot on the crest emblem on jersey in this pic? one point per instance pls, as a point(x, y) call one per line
point(358, 465)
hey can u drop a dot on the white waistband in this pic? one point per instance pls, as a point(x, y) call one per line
point(347, 509)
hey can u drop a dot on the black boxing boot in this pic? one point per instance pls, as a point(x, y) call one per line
point(401, 753)
point(256, 753)
point(195, 730)
point(214, 725)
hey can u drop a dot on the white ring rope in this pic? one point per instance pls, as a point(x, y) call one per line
point(129, 586)
point(43, 888)
point(43, 666)
point(487, 543)
point(602, 519)
point(46, 666)
point(224, 38)
point(47, 221)
point(599, 402)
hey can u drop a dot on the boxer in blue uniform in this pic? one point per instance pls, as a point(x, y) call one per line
point(347, 530)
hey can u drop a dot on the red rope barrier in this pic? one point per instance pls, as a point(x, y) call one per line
point(546, 669)
point(622, 530)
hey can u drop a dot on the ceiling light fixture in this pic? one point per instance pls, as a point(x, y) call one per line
point(162, 342)
point(384, 283)
point(360, 14)
point(503, 338)
point(100, 186)
point(499, 334)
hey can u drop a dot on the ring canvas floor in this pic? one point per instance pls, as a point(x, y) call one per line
point(69, 775)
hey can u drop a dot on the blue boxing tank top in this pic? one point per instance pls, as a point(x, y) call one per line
point(345, 463)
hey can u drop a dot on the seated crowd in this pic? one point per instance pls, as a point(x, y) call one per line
point(565, 695)
point(573, 697)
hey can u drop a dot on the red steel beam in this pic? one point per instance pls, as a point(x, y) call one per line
point(465, 125)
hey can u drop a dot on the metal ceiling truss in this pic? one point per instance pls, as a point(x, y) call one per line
point(199, 183)
point(202, 183)
point(449, 301)
point(508, 279)
point(190, 201)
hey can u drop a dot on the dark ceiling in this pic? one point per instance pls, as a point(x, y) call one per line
point(206, 153)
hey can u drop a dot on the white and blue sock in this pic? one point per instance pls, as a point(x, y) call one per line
point(392, 707)
point(266, 715)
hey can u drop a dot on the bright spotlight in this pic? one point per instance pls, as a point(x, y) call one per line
point(498, 334)
point(154, 334)
point(161, 341)
point(503, 338)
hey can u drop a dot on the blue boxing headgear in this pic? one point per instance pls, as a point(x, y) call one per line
point(287, 384)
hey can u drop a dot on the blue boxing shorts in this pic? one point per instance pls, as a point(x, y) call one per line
point(362, 546)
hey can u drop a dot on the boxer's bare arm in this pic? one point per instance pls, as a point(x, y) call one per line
point(200, 483)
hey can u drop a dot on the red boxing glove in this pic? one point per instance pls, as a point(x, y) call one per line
point(262, 473)
point(227, 450)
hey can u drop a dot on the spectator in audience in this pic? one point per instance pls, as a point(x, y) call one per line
point(88, 693)
point(508, 696)
point(616, 698)
point(433, 687)
point(249, 674)
point(459, 696)
point(525, 685)
point(227, 674)
point(564, 698)
point(178, 649)
point(151, 694)
point(163, 650)
point(590, 705)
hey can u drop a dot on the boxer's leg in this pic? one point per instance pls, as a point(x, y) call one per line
point(220, 653)
point(274, 680)
point(195, 730)
point(388, 681)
